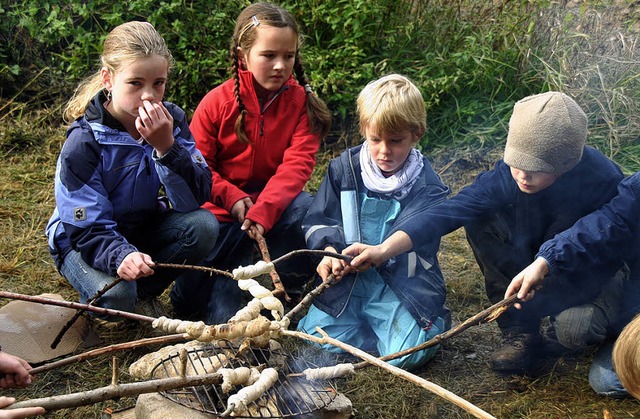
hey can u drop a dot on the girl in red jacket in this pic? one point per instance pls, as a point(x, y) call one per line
point(259, 132)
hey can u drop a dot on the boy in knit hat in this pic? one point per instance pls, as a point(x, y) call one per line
point(611, 234)
point(547, 180)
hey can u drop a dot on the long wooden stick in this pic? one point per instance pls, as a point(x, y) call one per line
point(163, 340)
point(76, 306)
point(434, 388)
point(102, 394)
point(486, 315)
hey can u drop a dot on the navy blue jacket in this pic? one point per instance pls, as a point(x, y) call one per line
point(610, 233)
point(529, 217)
point(605, 238)
point(107, 185)
point(415, 276)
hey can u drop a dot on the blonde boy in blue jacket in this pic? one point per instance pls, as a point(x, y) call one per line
point(369, 190)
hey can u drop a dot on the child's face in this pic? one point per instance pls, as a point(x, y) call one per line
point(141, 79)
point(271, 56)
point(533, 182)
point(390, 149)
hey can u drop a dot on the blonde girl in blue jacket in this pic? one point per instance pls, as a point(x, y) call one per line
point(124, 146)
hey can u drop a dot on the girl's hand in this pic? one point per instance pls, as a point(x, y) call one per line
point(240, 208)
point(365, 256)
point(135, 266)
point(155, 124)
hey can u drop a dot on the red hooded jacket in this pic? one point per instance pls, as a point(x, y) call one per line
point(274, 167)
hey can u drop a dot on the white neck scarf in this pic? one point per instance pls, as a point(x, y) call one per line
point(397, 185)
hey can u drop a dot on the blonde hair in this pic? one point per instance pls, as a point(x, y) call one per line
point(244, 36)
point(392, 103)
point(125, 43)
point(626, 357)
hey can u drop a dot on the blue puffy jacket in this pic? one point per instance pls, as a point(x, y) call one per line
point(530, 217)
point(332, 220)
point(107, 184)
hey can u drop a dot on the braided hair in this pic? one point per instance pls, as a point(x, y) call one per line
point(244, 36)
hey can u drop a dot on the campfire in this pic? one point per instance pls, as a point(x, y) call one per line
point(290, 395)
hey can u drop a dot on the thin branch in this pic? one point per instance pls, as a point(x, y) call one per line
point(76, 316)
point(193, 267)
point(306, 301)
point(279, 290)
point(163, 340)
point(312, 252)
point(112, 392)
point(77, 306)
point(486, 315)
point(406, 375)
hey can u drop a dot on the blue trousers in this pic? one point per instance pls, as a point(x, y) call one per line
point(170, 237)
point(374, 320)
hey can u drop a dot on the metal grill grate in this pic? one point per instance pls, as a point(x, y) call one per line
point(290, 396)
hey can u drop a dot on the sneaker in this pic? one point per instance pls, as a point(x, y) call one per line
point(151, 307)
point(517, 354)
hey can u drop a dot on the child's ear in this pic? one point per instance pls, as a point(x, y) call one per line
point(417, 134)
point(107, 83)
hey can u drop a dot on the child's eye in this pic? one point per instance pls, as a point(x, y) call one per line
point(160, 83)
point(134, 83)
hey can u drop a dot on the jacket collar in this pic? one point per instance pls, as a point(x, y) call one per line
point(96, 112)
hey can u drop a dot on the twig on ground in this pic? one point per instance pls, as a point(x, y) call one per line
point(434, 388)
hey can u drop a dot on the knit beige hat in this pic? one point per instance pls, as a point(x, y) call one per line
point(547, 133)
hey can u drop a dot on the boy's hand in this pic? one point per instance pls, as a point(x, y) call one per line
point(155, 124)
point(329, 265)
point(135, 266)
point(526, 282)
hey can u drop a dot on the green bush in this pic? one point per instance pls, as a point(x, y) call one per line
point(472, 59)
